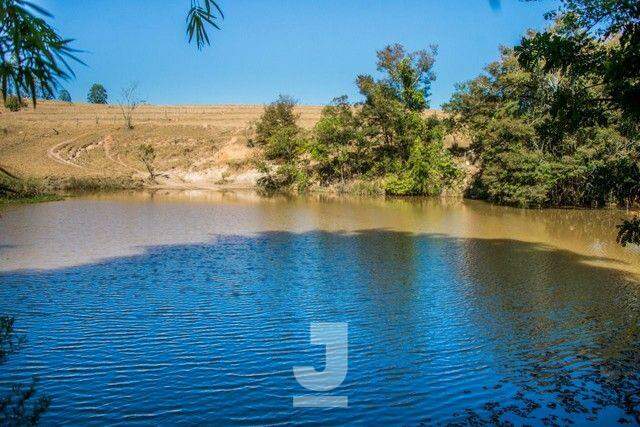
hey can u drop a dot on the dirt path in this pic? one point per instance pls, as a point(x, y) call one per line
point(53, 152)
point(213, 171)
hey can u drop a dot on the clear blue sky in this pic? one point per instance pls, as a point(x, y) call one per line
point(310, 49)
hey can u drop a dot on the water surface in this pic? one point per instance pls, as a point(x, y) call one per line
point(194, 307)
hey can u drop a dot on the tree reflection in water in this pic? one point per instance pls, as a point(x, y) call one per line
point(441, 329)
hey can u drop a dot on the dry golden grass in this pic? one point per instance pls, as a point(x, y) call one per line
point(197, 146)
point(222, 116)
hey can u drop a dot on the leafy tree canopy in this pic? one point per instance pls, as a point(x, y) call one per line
point(64, 95)
point(97, 94)
point(598, 42)
point(554, 122)
point(386, 138)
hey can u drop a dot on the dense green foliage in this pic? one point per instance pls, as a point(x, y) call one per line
point(97, 94)
point(595, 43)
point(386, 138)
point(278, 117)
point(64, 96)
point(282, 142)
point(547, 122)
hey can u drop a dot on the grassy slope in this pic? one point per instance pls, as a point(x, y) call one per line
point(85, 145)
point(195, 145)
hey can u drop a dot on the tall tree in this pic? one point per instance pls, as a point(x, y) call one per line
point(597, 43)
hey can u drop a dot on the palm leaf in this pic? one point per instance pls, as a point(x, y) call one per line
point(33, 55)
point(198, 17)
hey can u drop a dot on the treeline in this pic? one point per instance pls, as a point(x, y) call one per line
point(536, 152)
point(97, 95)
point(554, 122)
point(386, 143)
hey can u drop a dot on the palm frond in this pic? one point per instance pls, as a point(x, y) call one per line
point(198, 17)
point(32, 54)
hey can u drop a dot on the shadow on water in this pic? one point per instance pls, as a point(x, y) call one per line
point(441, 329)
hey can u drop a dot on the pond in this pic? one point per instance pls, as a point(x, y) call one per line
point(194, 307)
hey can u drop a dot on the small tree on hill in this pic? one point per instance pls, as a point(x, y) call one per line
point(13, 103)
point(64, 96)
point(277, 115)
point(147, 156)
point(129, 101)
point(97, 94)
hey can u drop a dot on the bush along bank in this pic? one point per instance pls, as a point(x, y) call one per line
point(385, 144)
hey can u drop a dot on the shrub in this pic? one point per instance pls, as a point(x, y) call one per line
point(277, 115)
point(385, 136)
point(519, 178)
point(13, 103)
point(283, 144)
point(336, 140)
point(147, 155)
point(286, 178)
point(427, 172)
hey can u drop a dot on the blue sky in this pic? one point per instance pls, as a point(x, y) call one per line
point(310, 49)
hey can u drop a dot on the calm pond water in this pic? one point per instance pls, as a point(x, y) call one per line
point(194, 307)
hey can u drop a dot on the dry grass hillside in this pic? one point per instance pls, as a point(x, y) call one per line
point(196, 146)
point(203, 146)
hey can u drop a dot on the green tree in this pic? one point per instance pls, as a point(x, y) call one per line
point(409, 74)
point(428, 171)
point(97, 94)
point(597, 44)
point(392, 115)
point(337, 142)
point(386, 137)
point(13, 103)
point(64, 96)
point(534, 152)
point(277, 115)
